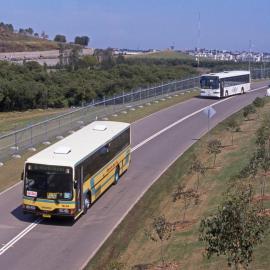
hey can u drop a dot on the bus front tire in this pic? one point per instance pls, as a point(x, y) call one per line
point(226, 94)
point(116, 175)
point(86, 204)
point(242, 91)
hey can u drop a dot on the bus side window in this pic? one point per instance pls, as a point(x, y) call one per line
point(105, 149)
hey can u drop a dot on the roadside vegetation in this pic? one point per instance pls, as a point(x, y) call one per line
point(210, 209)
point(31, 86)
point(15, 120)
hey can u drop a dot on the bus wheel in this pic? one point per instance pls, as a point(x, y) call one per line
point(242, 91)
point(116, 175)
point(86, 203)
point(226, 93)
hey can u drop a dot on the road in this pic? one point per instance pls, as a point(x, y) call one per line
point(157, 141)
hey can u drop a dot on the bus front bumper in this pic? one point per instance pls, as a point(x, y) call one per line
point(209, 94)
point(48, 214)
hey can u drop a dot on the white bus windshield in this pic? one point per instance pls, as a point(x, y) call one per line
point(209, 82)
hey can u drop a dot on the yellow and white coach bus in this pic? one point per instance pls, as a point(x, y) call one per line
point(225, 83)
point(67, 177)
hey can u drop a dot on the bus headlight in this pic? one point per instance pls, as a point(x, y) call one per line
point(30, 207)
point(63, 211)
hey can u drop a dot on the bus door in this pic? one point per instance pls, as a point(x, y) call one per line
point(79, 189)
point(221, 85)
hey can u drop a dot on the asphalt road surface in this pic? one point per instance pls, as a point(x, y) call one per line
point(157, 140)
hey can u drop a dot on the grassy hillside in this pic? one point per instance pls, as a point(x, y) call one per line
point(13, 42)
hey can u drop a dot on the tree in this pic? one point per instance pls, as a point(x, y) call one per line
point(60, 38)
point(88, 61)
point(160, 230)
point(258, 103)
point(251, 169)
point(197, 167)
point(74, 58)
point(214, 147)
point(83, 40)
point(29, 30)
point(233, 126)
point(189, 196)
point(250, 109)
point(264, 163)
point(235, 230)
point(6, 26)
point(44, 35)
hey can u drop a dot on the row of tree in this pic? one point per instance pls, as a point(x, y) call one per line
point(83, 40)
point(30, 85)
point(7, 27)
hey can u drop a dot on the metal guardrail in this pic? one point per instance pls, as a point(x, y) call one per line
point(14, 143)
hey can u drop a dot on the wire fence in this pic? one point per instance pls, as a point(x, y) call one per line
point(12, 144)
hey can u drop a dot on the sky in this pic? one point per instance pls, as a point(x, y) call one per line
point(156, 24)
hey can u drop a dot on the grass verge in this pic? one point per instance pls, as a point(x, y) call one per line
point(15, 120)
point(132, 115)
point(128, 247)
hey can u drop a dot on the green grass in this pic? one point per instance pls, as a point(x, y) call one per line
point(16, 120)
point(128, 243)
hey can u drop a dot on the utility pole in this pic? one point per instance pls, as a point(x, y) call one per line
point(249, 58)
point(199, 39)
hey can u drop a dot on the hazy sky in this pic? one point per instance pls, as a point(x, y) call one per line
point(225, 24)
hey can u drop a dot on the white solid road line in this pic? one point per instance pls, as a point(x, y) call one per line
point(19, 236)
point(38, 220)
point(174, 124)
point(13, 186)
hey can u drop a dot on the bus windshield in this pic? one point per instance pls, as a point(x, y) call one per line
point(209, 82)
point(48, 184)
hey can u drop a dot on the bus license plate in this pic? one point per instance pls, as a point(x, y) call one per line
point(46, 215)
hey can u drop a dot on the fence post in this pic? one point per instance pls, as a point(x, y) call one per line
point(16, 142)
point(31, 134)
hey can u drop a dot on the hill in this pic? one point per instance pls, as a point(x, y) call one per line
point(15, 42)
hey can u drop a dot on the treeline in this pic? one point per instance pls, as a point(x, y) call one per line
point(30, 85)
point(213, 65)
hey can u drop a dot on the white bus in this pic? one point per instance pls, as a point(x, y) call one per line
point(225, 83)
point(67, 177)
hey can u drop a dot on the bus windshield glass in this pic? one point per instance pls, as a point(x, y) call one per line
point(48, 182)
point(208, 82)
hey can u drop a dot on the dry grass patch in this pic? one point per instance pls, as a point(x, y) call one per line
point(11, 120)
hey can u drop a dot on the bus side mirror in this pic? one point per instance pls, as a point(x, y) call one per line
point(22, 176)
point(75, 184)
